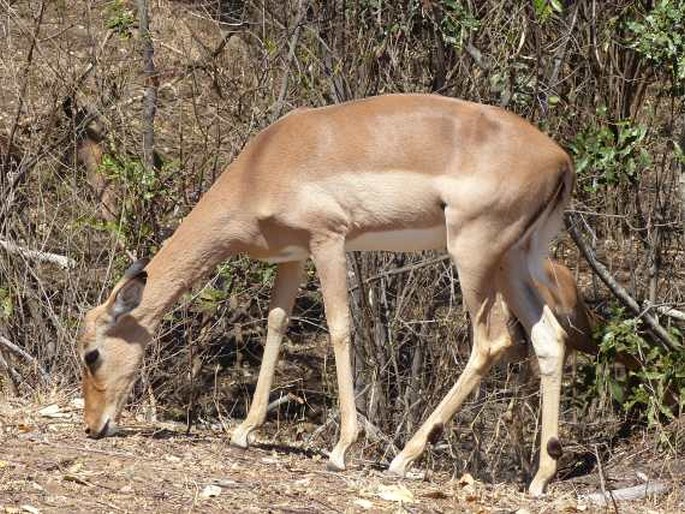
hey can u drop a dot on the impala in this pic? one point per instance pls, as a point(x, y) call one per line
point(561, 294)
point(396, 173)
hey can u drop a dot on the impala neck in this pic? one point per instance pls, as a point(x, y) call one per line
point(209, 235)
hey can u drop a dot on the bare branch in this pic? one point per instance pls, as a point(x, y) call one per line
point(627, 493)
point(152, 83)
point(666, 310)
point(286, 398)
point(37, 255)
point(619, 291)
point(24, 355)
point(13, 373)
point(278, 108)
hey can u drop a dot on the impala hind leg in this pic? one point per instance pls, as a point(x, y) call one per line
point(329, 257)
point(283, 296)
point(490, 339)
point(548, 338)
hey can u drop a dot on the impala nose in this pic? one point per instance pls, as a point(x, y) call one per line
point(98, 435)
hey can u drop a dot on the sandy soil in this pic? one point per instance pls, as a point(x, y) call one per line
point(47, 465)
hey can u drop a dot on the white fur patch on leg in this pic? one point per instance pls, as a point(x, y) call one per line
point(547, 338)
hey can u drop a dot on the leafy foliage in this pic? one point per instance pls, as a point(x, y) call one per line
point(120, 19)
point(607, 155)
point(545, 8)
point(660, 37)
point(457, 23)
point(142, 187)
point(657, 389)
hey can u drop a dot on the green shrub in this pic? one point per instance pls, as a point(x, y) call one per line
point(656, 390)
point(609, 154)
point(660, 37)
point(119, 18)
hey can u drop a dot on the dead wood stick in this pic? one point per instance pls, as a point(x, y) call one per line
point(619, 291)
point(403, 269)
point(627, 493)
point(38, 255)
point(24, 355)
point(666, 310)
point(13, 373)
point(283, 399)
point(151, 85)
point(375, 434)
point(292, 46)
point(602, 481)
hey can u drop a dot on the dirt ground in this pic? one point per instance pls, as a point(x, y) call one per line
point(48, 465)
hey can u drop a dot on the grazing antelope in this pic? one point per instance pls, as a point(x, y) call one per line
point(397, 173)
point(89, 152)
point(561, 294)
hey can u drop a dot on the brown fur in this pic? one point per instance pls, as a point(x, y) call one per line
point(395, 172)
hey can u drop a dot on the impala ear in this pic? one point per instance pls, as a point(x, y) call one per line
point(130, 293)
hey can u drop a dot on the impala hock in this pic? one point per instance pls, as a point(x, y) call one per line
point(398, 173)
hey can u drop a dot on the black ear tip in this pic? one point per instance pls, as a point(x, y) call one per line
point(91, 356)
point(137, 270)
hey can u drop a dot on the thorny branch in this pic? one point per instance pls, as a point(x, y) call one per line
point(619, 291)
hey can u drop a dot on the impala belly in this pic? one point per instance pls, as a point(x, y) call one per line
point(288, 254)
point(407, 240)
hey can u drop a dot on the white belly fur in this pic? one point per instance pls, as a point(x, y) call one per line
point(288, 254)
point(407, 240)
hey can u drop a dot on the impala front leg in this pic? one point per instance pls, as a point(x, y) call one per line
point(329, 258)
point(485, 352)
point(283, 296)
point(548, 341)
point(548, 338)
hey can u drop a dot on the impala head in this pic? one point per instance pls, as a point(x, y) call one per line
point(111, 346)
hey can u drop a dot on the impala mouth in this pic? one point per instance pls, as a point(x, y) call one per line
point(105, 431)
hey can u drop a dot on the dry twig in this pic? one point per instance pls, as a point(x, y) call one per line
point(619, 291)
point(37, 255)
point(24, 355)
point(627, 493)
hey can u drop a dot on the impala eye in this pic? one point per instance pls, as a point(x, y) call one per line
point(91, 357)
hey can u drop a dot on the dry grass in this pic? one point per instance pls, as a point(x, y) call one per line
point(48, 464)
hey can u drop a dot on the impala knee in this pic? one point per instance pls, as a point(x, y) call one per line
point(550, 361)
point(554, 448)
point(548, 339)
point(435, 433)
point(483, 356)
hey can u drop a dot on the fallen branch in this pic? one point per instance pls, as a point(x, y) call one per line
point(37, 255)
point(627, 493)
point(13, 373)
point(24, 355)
point(283, 399)
point(666, 310)
point(602, 482)
point(619, 291)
